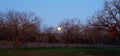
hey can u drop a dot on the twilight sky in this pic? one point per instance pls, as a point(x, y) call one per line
point(54, 11)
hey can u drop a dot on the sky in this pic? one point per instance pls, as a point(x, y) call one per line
point(53, 12)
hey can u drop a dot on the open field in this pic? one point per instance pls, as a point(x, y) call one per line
point(60, 51)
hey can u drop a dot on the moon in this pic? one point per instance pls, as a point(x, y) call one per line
point(59, 28)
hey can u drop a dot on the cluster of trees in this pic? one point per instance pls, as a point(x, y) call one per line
point(18, 27)
point(101, 28)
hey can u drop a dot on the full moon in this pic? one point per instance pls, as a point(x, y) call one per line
point(59, 28)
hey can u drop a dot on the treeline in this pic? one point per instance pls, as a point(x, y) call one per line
point(101, 28)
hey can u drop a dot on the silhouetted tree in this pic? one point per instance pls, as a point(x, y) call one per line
point(108, 19)
point(50, 33)
point(71, 30)
point(19, 27)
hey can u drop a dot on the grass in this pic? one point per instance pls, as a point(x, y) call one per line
point(60, 51)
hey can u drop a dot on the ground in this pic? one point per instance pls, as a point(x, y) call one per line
point(60, 51)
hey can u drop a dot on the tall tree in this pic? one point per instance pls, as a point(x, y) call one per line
point(108, 19)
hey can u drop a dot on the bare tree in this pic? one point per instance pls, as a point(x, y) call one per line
point(50, 33)
point(71, 30)
point(2, 27)
point(108, 19)
point(20, 26)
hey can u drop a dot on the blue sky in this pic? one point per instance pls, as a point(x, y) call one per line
point(54, 11)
